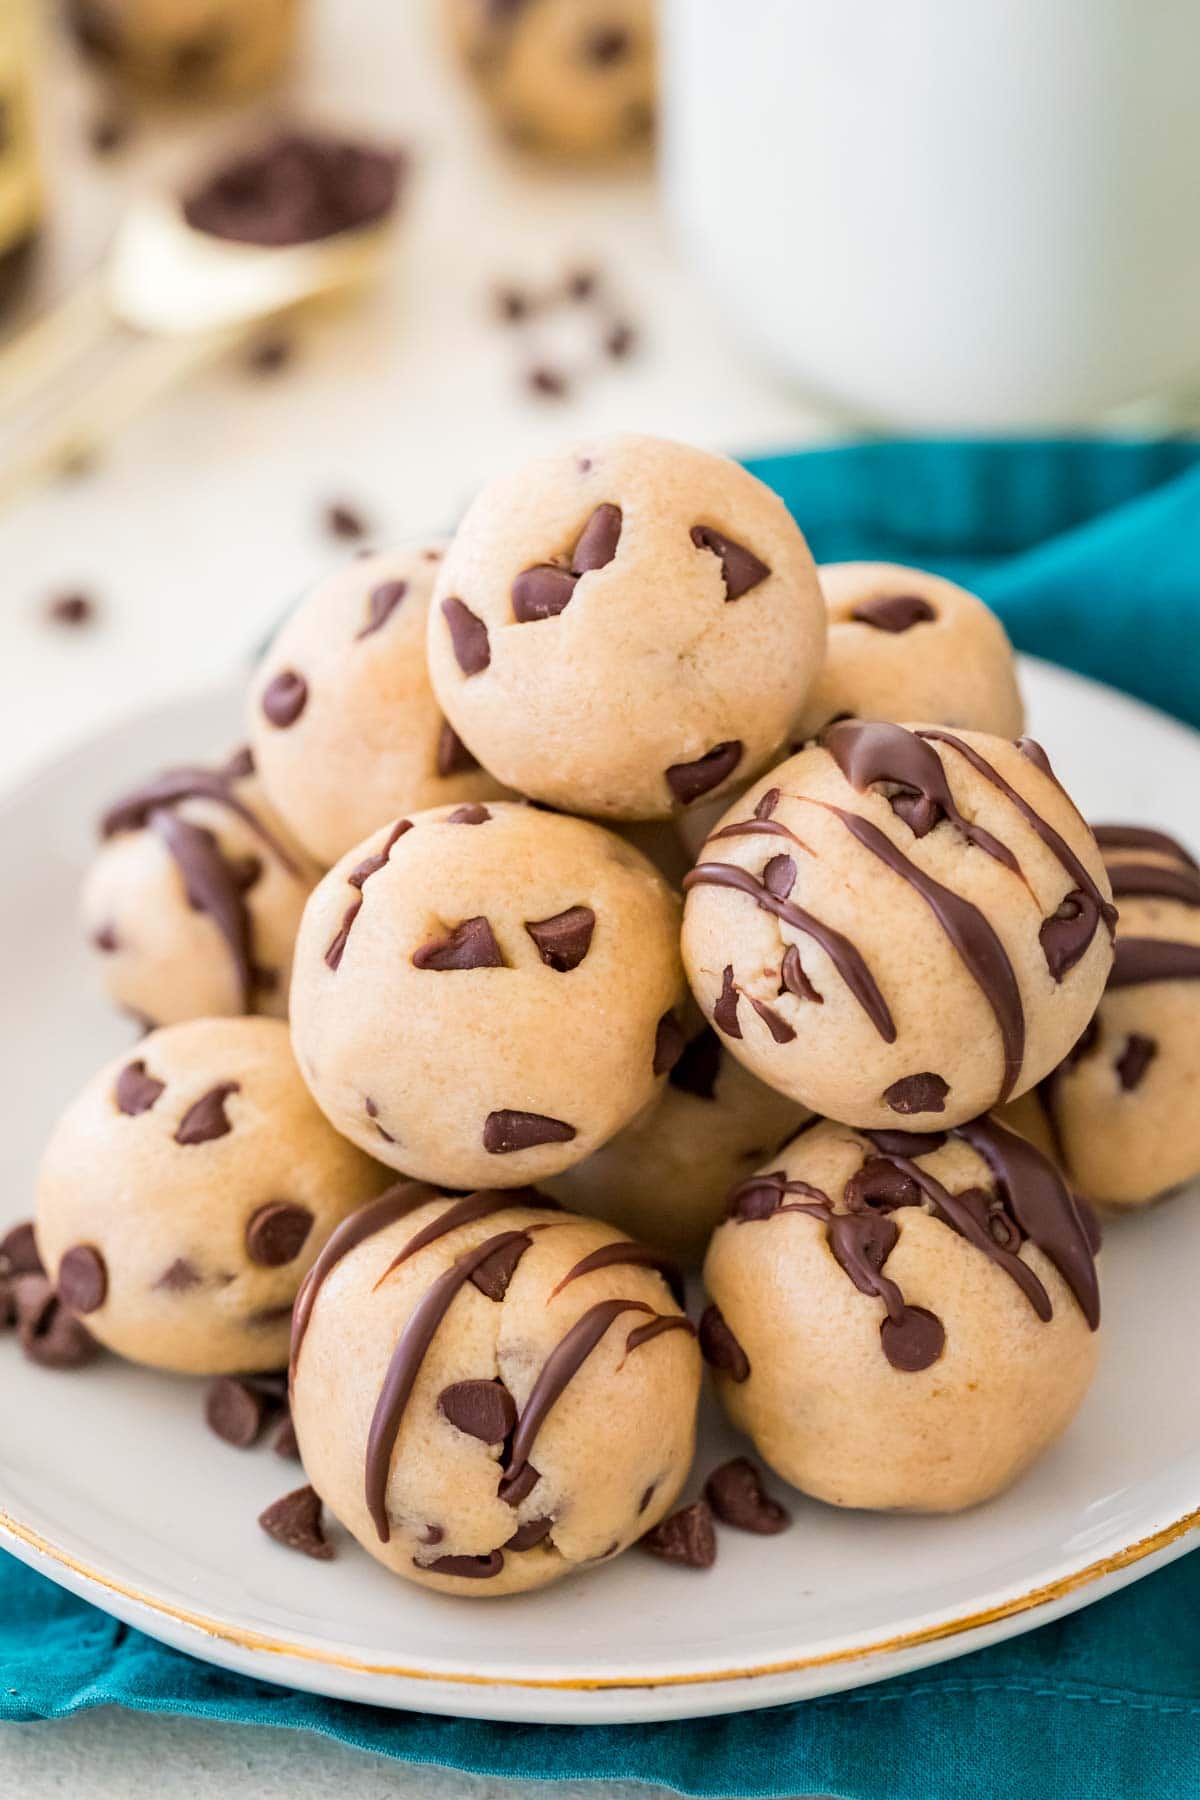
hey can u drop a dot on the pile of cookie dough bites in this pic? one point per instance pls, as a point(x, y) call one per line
point(869, 1046)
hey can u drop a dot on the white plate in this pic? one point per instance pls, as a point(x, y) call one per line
point(111, 1485)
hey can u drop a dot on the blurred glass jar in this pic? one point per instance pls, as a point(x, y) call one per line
point(975, 215)
point(188, 49)
point(20, 175)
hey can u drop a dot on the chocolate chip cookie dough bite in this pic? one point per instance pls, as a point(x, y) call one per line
point(194, 898)
point(566, 78)
point(901, 925)
point(483, 994)
point(904, 644)
point(345, 729)
point(187, 49)
point(625, 626)
point(488, 1392)
point(665, 1177)
point(187, 1190)
point(1121, 1113)
point(901, 1320)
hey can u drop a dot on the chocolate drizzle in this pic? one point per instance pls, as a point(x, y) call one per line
point(625, 1253)
point(376, 1216)
point(563, 1362)
point(464, 1211)
point(870, 751)
point(357, 878)
point(174, 786)
point(1141, 959)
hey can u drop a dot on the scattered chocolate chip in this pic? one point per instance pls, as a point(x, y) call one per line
point(344, 522)
point(234, 1411)
point(513, 305)
point(48, 1333)
point(740, 568)
point(894, 612)
point(240, 764)
point(668, 1044)
point(471, 814)
point(19, 1251)
point(687, 1537)
point(737, 1496)
point(725, 1011)
point(688, 780)
point(453, 757)
point(8, 1304)
point(72, 609)
point(621, 340)
point(82, 1279)
point(697, 1069)
point(493, 1276)
point(295, 1521)
point(206, 1118)
point(284, 698)
point(471, 945)
point(518, 1486)
point(582, 284)
point(1067, 933)
point(564, 938)
point(917, 1093)
point(482, 1409)
point(295, 189)
point(276, 1233)
point(284, 1442)
point(718, 1346)
point(914, 1341)
point(534, 1531)
point(472, 1568)
point(382, 602)
point(541, 592)
point(179, 1276)
point(468, 636)
point(108, 132)
point(550, 383)
point(794, 980)
point(136, 1091)
point(779, 876)
point(1135, 1059)
point(506, 1131)
point(598, 540)
point(268, 355)
point(105, 940)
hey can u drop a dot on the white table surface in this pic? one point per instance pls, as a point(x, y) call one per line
point(199, 525)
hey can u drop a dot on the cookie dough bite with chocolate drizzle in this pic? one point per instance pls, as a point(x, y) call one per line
point(904, 644)
point(187, 1190)
point(665, 1177)
point(568, 78)
point(484, 994)
point(902, 1320)
point(901, 925)
point(625, 626)
point(1120, 1114)
point(345, 729)
point(488, 1392)
point(194, 899)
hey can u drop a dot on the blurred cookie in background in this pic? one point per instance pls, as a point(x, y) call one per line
point(187, 49)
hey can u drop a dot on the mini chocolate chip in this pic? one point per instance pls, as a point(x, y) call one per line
point(240, 764)
point(471, 814)
point(725, 1011)
point(48, 1333)
point(453, 757)
point(534, 1531)
point(206, 1118)
point(513, 304)
point(179, 1276)
point(582, 284)
point(482, 1409)
point(794, 980)
point(518, 1486)
point(605, 45)
point(105, 939)
point(107, 132)
point(276, 1233)
point(136, 1091)
point(468, 636)
point(270, 354)
point(493, 1276)
point(621, 340)
point(382, 602)
point(688, 780)
point(284, 1442)
point(8, 1304)
point(19, 1251)
point(82, 1279)
point(284, 698)
point(687, 1537)
point(548, 382)
point(697, 1069)
point(894, 612)
point(471, 945)
point(1067, 933)
point(913, 1341)
point(779, 876)
point(668, 1044)
point(740, 568)
point(342, 521)
point(718, 1346)
point(564, 938)
point(294, 1520)
point(598, 540)
point(1135, 1059)
point(71, 610)
point(541, 592)
point(736, 1494)
point(917, 1093)
point(508, 1130)
point(234, 1411)
point(472, 1568)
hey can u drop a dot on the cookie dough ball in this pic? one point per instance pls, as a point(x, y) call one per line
point(345, 729)
point(665, 1177)
point(901, 925)
point(571, 78)
point(902, 1321)
point(625, 626)
point(489, 1393)
point(1119, 1114)
point(187, 1191)
point(485, 994)
point(904, 644)
point(194, 899)
point(190, 49)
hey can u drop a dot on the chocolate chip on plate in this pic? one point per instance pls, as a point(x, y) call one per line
point(19, 1251)
point(294, 1520)
point(48, 1333)
point(737, 1496)
point(234, 1411)
point(686, 1537)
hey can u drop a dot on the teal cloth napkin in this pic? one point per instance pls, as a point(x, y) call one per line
point(1078, 546)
